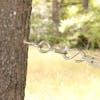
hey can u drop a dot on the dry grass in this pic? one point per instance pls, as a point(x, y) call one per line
point(50, 77)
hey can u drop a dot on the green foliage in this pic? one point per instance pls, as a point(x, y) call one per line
point(40, 21)
point(52, 39)
point(81, 26)
point(42, 26)
point(76, 28)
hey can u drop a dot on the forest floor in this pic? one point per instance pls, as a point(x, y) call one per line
point(51, 77)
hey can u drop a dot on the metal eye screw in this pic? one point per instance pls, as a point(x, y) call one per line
point(30, 43)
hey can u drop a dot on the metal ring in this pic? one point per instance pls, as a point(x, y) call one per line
point(44, 50)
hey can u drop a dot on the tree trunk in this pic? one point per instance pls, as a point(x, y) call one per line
point(85, 4)
point(55, 11)
point(14, 28)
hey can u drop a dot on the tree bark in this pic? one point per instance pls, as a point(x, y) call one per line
point(14, 28)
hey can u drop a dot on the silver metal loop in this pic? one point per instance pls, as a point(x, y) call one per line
point(88, 59)
point(43, 49)
point(94, 61)
point(62, 50)
point(83, 57)
point(71, 56)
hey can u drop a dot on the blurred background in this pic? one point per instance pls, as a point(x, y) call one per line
point(75, 23)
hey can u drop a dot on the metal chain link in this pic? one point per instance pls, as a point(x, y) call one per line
point(45, 47)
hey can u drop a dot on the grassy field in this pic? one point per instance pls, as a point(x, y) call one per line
point(50, 77)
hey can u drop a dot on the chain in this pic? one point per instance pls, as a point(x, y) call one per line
point(45, 47)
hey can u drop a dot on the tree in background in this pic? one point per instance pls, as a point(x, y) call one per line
point(55, 11)
point(14, 28)
point(85, 4)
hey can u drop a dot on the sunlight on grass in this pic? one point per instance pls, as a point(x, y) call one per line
point(50, 77)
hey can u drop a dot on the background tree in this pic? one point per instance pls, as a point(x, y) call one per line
point(85, 4)
point(55, 11)
point(14, 28)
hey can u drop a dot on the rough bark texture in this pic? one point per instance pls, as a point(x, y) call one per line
point(14, 28)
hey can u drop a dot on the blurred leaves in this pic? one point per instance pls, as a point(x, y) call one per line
point(86, 25)
point(76, 28)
